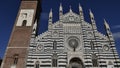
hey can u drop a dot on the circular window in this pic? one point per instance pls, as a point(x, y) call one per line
point(73, 42)
point(55, 33)
point(106, 47)
point(90, 34)
point(71, 18)
point(39, 47)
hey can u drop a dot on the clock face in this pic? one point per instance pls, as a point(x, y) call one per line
point(40, 47)
point(73, 42)
point(106, 47)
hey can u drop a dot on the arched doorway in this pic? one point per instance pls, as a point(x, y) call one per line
point(76, 63)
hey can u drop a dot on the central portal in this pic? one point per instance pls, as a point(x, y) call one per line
point(76, 63)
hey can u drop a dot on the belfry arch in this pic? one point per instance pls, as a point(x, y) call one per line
point(76, 63)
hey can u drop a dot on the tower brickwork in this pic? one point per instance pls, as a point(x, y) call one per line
point(16, 52)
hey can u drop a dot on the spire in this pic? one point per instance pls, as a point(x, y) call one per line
point(35, 25)
point(34, 28)
point(70, 9)
point(92, 20)
point(80, 7)
point(60, 13)
point(81, 13)
point(50, 20)
point(50, 14)
point(106, 24)
point(108, 32)
point(61, 9)
point(91, 14)
point(91, 17)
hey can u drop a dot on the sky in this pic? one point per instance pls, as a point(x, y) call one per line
point(102, 9)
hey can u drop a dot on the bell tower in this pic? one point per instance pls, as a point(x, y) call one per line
point(16, 52)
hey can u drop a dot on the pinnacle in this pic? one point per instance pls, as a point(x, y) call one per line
point(70, 9)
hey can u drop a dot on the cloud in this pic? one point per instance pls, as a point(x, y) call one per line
point(116, 27)
point(116, 35)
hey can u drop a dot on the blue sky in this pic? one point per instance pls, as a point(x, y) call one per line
point(108, 9)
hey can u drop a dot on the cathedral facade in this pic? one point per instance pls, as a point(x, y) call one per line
point(70, 42)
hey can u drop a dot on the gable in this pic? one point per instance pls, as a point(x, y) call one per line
point(71, 17)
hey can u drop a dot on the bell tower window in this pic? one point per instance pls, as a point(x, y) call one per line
point(15, 59)
point(25, 17)
point(24, 22)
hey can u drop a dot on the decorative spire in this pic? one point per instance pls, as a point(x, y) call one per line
point(50, 14)
point(106, 24)
point(50, 20)
point(80, 8)
point(50, 17)
point(35, 25)
point(61, 9)
point(108, 32)
point(70, 9)
point(34, 28)
point(81, 13)
point(92, 20)
point(91, 14)
point(60, 14)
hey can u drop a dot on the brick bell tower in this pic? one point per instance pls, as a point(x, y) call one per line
point(16, 52)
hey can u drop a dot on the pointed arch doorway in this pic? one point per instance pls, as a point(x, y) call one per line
point(76, 63)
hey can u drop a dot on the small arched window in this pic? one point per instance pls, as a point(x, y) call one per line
point(15, 57)
point(24, 22)
point(54, 60)
point(37, 64)
point(54, 45)
point(94, 60)
point(92, 45)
